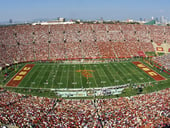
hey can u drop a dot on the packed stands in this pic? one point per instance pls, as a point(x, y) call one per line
point(20, 43)
point(162, 62)
point(106, 49)
point(90, 50)
point(157, 34)
point(142, 33)
point(23, 43)
point(121, 50)
point(167, 33)
point(149, 110)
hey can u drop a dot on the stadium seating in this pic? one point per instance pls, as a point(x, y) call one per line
point(163, 61)
point(20, 43)
point(157, 33)
point(149, 110)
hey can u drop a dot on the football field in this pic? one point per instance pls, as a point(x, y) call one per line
point(55, 75)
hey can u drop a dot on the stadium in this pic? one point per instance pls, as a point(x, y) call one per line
point(85, 75)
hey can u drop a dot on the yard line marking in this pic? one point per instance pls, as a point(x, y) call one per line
point(80, 77)
point(113, 67)
point(96, 70)
point(85, 69)
point(122, 72)
point(110, 72)
point(106, 75)
point(46, 82)
point(32, 76)
point(93, 76)
point(108, 67)
point(126, 69)
point(68, 75)
point(141, 74)
point(42, 76)
point(74, 74)
point(61, 76)
point(48, 75)
point(56, 72)
point(51, 74)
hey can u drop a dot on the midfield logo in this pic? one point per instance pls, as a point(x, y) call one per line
point(86, 73)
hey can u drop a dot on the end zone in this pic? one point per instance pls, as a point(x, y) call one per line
point(149, 71)
point(14, 82)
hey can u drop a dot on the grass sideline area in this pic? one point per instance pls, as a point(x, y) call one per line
point(45, 76)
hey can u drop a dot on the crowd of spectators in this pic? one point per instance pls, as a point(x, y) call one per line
point(149, 110)
point(22, 43)
point(163, 61)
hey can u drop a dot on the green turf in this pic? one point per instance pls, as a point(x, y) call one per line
point(65, 76)
point(54, 75)
point(150, 53)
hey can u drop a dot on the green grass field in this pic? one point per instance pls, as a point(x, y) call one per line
point(61, 76)
point(54, 75)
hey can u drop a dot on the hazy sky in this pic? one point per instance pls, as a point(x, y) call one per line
point(22, 10)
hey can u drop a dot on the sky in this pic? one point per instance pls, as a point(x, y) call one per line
point(25, 10)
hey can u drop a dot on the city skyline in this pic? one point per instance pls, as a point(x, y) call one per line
point(24, 10)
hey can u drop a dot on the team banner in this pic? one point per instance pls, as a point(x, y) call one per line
point(14, 82)
point(149, 71)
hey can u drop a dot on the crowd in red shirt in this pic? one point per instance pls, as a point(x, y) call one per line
point(149, 110)
point(21, 43)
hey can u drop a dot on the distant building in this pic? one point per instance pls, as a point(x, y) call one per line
point(59, 21)
point(157, 20)
point(163, 20)
point(130, 20)
point(10, 21)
